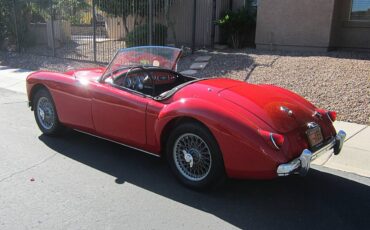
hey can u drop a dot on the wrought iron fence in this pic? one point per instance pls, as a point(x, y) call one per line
point(92, 30)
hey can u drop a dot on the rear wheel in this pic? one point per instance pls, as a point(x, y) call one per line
point(194, 156)
point(45, 113)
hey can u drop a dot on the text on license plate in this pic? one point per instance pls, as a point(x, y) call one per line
point(314, 136)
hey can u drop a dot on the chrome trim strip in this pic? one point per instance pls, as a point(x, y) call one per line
point(106, 139)
point(327, 114)
point(273, 141)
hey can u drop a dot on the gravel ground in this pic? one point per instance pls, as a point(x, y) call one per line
point(337, 81)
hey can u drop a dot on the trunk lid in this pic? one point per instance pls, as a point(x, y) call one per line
point(282, 110)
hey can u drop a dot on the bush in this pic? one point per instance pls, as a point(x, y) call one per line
point(235, 26)
point(140, 35)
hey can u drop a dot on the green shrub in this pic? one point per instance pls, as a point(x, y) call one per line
point(140, 35)
point(235, 26)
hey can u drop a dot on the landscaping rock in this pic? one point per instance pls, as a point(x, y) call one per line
point(203, 59)
point(189, 72)
point(198, 65)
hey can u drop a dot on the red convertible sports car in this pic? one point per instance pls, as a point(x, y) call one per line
point(208, 129)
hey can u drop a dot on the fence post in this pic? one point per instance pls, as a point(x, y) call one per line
point(16, 26)
point(94, 27)
point(213, 28)
point(194, 25)
point(52, 27)
point(150, 22)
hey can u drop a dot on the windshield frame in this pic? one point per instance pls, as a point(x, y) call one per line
point(108, 71)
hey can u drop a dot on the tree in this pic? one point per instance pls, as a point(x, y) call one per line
point(62, 9)
point(25, 11)
point(4, 19)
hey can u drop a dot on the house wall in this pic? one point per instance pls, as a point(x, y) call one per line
point(346, 33)
point(294, 24)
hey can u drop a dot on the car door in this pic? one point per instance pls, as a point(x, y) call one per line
point(73, 101)
point(119, 115)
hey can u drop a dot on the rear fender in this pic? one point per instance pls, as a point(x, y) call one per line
point(236, 135)
point(211, 115)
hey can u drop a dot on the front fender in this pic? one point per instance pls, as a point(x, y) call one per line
point(48, 79)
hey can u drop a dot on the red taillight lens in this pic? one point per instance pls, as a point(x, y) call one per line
point(332, 115)
point(273, 139)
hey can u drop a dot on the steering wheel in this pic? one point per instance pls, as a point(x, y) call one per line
point(135, 85)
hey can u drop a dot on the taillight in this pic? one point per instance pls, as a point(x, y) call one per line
point(273, 139)
point(332, 115)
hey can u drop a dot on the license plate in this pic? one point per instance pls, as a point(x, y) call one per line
point(314, 136)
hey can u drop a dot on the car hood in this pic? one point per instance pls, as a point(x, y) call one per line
point(281, 109)
point(87, 73)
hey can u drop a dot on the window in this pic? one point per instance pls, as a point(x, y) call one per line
point(360, 10)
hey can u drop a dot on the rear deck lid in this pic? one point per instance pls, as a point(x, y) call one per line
point(278, 110)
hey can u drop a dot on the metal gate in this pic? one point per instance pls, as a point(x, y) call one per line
point(92, 30)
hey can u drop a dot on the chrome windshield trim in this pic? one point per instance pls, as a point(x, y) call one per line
point(102, 78)
point(104, 75)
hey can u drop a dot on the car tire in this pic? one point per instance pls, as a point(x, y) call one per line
point(45, 113)
point(194, 156)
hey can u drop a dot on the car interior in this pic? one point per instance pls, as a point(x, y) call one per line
point(152, 82)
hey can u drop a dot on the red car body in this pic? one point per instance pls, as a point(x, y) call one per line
point(235, 112)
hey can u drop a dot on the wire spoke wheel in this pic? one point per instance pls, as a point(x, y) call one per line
point(45, 113)
point(192, 157)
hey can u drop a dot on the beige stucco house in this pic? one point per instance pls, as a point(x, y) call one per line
point(313, 24)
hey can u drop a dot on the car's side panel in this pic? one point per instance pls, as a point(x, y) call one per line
point(119, 115)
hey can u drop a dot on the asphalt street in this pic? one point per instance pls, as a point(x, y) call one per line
point(81, 182)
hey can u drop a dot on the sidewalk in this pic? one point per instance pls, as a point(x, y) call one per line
point(355, 155)
point(13, 79)
point(354, 158)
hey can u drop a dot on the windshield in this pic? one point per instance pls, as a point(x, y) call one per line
point(157, 56)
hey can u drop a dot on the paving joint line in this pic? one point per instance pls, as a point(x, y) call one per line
point(34, 165)
point(26, 169)
point(349, 138)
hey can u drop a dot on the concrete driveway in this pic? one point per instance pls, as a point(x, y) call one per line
point(80, 182)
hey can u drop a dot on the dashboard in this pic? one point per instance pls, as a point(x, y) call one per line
point(141, 80)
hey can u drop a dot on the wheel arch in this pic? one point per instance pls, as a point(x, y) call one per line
point(33, 92)
point(174, 122)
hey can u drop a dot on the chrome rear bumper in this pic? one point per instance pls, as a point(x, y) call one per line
point(301, 165)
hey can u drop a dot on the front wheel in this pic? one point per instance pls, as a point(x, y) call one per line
point(194, 156)
point(45, 113)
